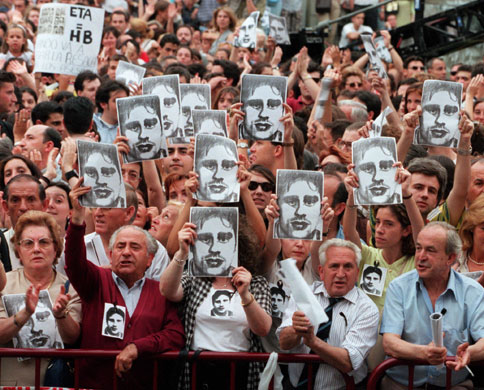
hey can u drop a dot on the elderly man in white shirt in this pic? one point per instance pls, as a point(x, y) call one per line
point(344, 346)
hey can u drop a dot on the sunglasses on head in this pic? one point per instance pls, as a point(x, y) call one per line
point(266, 187)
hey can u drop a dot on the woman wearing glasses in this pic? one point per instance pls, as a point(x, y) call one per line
point(29, 320)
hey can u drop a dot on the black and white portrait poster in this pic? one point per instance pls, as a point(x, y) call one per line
point(114, 319)
point(263, 99)
point(193, 97)
point(139, 119)
point(167, 88)
point(374, 159)
point(322, 98)
point(129, 74)
point(248, 31)
point(216, 165)
point(215, 251)
point(210, 122)
point(40, 331)
point(278, 30)
point(374, 60)
point(68, 38)
point(372, 280)
point(379, 122)
point(280, 295)
point(381, 50)
point(299, 196)
point(441, 105)
point(222, 303)
point(100, 167)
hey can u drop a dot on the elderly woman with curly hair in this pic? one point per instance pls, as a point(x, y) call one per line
point(248, 299)
point(29, 321)
point(472, 235)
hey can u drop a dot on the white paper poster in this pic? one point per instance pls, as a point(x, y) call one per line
point(68, 39)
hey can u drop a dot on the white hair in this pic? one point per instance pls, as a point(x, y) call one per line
point(151, 243)
point(339, 243)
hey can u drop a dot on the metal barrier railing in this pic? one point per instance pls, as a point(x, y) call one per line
point(76, 354)
point(380, 370)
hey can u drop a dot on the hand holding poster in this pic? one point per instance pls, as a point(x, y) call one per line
point(68, 39)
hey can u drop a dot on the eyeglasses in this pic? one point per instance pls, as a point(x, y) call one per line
point(417, 68)
point(266, 187)
point(354, 85)
point(345, 144)
point(453, 72)
point(28, 243)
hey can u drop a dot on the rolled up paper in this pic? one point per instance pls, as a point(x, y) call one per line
point(302, 294)
point(437, 335)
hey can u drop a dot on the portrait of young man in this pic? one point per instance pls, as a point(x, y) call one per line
point(299, 195)
point(263, 99)
point(278, 30)
point(441, 105)
point(216, 165)
point(193, 97)
point(100, 167)
point(215, 250)
point(374, 159)
point(139, 119)
point(247, 33)
point(212, 122)
point(167, 88)
point(129, 74)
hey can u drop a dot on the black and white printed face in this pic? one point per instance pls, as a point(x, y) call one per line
point(278, 305)
point(263, 110)
point(192, 100)
point(278, 30)
point(247, 32)
point(170, 108)
point(440, 117)
point(382, 50)
point(215, 247)
point(103, 176)
point(376, 175)
point(128, 77)
point(218, 173)
point(300, 210)
point(115, 325)
point(371, 282)
point(40, 329)
point(221, 305)
point(143, 130)
point(211, 126)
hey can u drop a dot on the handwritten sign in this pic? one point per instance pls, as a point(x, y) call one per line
point(68, 39)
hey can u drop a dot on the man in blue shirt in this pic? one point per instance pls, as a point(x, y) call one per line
point(432, 287)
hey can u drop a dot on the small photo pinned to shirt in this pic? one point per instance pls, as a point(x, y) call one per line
point(372, 280)
point(114, 320)
point(221, 303)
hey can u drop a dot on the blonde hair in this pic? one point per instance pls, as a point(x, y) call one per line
point(139, 25)
point(473, 217)
point(39, 218)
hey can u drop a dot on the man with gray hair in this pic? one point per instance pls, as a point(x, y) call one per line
point(346, 339)
point(433, 287)
point(150, 323)
point(106, 222)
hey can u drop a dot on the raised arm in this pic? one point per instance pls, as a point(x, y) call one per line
point(69, 328)
point(272, 245)
point(288, 142)
point(170, 281)
point(410, 122)
point(254, 217)
point(156, 196)
point(350, 215)
point(191, 186)
point(457, 196)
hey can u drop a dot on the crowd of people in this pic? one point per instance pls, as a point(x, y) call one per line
point(122, 276)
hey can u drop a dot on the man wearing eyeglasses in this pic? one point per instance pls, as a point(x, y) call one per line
point(22, 193)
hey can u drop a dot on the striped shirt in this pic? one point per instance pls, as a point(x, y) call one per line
point(354, 328)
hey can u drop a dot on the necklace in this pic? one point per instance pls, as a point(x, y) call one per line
point(475, 261)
